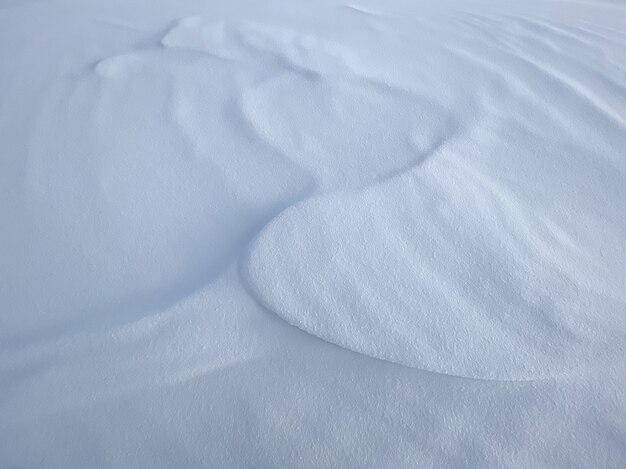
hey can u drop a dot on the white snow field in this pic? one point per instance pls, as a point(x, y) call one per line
point(312, 234)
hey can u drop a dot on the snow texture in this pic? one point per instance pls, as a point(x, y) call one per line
point(312, 234)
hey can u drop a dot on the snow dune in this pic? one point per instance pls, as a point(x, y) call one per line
point(312, 234)
point(368, 271)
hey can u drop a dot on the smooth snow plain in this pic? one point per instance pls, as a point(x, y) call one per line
point(312, 233)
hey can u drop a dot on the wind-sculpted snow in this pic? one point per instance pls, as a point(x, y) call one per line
point(432, 193)
point(166, 185)
point(440, 269)
point(316, 101)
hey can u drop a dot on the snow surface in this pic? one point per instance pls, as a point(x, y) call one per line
point(312, 233)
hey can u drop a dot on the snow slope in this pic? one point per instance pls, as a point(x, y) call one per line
point(312, 233)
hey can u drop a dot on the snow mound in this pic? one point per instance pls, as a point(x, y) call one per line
point(314, 99)
point(441, 269)
point(263, 44)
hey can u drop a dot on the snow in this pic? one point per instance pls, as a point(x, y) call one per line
point(312, 233)
point(439, 269)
